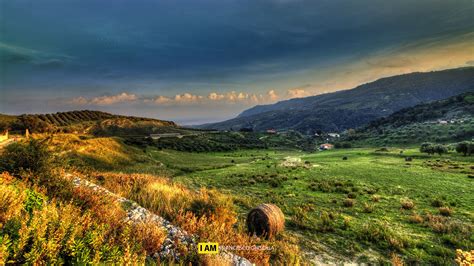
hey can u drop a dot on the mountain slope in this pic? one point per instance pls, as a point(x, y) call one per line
point(448, 120)
point(353, 108)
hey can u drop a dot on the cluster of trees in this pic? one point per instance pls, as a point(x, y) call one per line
point(431, 148)
point(343, 145)
point(465, 147)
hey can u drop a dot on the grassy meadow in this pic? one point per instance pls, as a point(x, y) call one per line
point(372, 205)
point(343, 205)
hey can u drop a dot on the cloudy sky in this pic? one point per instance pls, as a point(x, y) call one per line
point(200, 61)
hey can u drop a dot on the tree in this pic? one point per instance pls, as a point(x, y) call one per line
point(427, 147)
point(465, 147)
point(440, 149)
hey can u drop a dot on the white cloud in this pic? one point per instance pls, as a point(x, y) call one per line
point(297, 93)
point(119, 98)
point(79, 101)
point(105, 100)
point(161, 100)
point(272, 95)
point(232, 97)
point(214, 96)
point(187, 97)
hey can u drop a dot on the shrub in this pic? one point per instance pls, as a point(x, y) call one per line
point(352, 195)
point(407, 204)
point(445, 211)
point(381, 232)
point(349, 202)
point(150, 235)
point(325, 222)
point(375, 198)
point(416, 218)
point(300, 218)
point(465, 147)
point(368, 208)
point(32, 156)
point(11, 201)
point(343, 145)
point(464, 257)
point(408, 159)
point(202, 207)
point(344, 158)
point(437, 203)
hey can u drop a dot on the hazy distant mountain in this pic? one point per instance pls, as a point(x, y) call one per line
point(353, 108)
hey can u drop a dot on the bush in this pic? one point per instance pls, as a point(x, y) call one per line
point(352, 195)
point(375, 198)
point(416, 218)
point(32, 156)
point(465, 147)
point(407, 204)
point(349, 203)
point(343, 145)
point(437, 203)
point(368, 208)
point(445, 211)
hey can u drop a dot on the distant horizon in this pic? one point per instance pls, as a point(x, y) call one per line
point(193, 121)
point(207, 61)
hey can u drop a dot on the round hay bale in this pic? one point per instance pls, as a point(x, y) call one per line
point(265, 220)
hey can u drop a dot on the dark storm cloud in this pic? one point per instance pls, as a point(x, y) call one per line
point(154, 45)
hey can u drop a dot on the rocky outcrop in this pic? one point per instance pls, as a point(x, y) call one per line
point(137, 214)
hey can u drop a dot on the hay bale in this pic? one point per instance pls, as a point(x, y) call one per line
point(265, 220)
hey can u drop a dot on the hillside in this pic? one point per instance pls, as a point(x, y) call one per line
point(353, 108)
point(446, 120)
point(81, 121)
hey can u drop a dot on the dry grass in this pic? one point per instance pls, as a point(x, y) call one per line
point(416, 218)
point(11, 199)
point(150, 235)
point(88, 230)
point(206, 213)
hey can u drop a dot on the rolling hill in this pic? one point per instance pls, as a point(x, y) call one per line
point(83, 121)
point(442, 121)
point(353, 108)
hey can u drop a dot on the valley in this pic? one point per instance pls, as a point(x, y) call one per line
point(396, 189)
point(362, 205)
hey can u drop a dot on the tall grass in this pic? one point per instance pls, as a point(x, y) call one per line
point(87, 228)
point(208, 214)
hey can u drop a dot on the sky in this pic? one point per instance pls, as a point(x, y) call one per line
point(202, 61)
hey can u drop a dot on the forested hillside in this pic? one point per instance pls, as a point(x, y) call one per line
point(448, 120)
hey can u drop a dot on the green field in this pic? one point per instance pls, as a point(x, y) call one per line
point(313, 190)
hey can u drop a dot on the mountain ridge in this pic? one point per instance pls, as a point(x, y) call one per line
point(355, 107)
